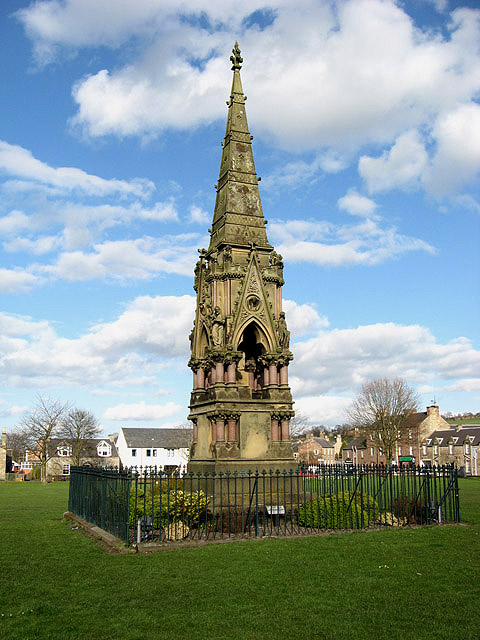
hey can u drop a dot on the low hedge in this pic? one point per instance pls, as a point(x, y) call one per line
point(341, 511)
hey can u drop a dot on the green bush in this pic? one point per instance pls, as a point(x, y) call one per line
point(338, 511)
point(409, 509)
point(167, 505)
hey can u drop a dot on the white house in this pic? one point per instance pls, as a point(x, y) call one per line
point(165, 449)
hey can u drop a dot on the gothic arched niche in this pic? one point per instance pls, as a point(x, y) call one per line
point(203, 342)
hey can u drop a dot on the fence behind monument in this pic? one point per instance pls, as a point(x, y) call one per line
point(146, 504)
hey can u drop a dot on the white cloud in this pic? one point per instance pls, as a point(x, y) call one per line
point(320, 409)
point(17, 280)
point(150, 335)
point(457, 157)
point(325, 244)
point(141, 411)
point(401, 166)
point(353, 71)
point(341, 360)
point(19, 162)
point(302, 318)
point(356, 204)
point(199, 216)
point(138, 259)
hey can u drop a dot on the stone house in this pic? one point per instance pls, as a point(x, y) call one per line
point(98, 452)
point(3, 456)
point(458, 445)
point(165, 449)
point(362, 449)
point(315, 451)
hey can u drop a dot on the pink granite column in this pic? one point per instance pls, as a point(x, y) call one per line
point(212, 378)
point(272, 373)
point(275, 430)
point(284, 375)
point(201, 378)
point(266, 377)
point(232, 430)
point(220, 431)
point(195, 380)
point(284, 429)
point(195, 432)
point(219, 372)
point(231, 373)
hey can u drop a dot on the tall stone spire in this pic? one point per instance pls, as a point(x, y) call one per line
point(238, 217)
point(241, 402)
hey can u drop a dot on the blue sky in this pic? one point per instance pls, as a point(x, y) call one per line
point(366, 124)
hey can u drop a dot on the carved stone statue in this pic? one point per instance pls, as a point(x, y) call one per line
point(283, 333)
point(218, 328)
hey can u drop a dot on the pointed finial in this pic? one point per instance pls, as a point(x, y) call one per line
point(236, 59)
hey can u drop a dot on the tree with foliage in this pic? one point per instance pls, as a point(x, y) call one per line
point(40, 426)
point(77, 427)
point(382, 409)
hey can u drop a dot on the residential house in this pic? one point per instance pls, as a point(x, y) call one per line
point(165, 449)
point(98, 452)
point(458, 445)
point(408, 448)
point(3, 456)
point(361, 450)
point(315, 451)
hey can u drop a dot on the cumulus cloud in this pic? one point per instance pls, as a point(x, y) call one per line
point(303, 318)
point(323, 243)
point(141, 411)
point(199, 216)
point(20, 162)
point(356, 204)
point(17, 280)
point(341, 360)
point(401, 166)
point(457, 156)
point(131, 351)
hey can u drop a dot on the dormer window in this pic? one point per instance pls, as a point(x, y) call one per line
point(467, 447)
point(429, 441)
point(455, 440)
point(440, 440)
point(435, 449)
point(64, 450)
point(104, 449)
point(450, 448)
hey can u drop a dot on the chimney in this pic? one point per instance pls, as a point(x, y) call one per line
point(433, 410)
point(4, 438)
point(112, 437)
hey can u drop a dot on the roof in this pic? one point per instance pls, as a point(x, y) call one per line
point(359, 443)
point(323, 443)
point(158, 438)
point(90, 450)
point(461, 433)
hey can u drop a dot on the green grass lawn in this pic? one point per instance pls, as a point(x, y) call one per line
point(410, 583)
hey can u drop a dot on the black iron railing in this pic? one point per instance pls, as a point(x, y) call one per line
point(148, 505)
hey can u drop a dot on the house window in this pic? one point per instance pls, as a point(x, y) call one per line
point(467, 447)
point(372, 451)
point(134, 453)
point(170, 453)
point(450, 448)
point(64, 451)
point(399, 434)
point(104, 449)
point(149, 453)
point(410, 434)
point(467, 466)
point(154, 453)
point(66, 470)
point(361, 453)
point(380, 451)
point(315, 452)
point(435, 449)
point(399, 451)
point(411, 451)
point(424, 449)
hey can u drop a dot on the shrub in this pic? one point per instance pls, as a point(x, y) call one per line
point(410, 510)
point(167, 506)
point(338, 512)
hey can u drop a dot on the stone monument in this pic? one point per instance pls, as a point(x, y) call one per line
point(241, 403)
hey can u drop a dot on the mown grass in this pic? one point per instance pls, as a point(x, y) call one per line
point(410, 583)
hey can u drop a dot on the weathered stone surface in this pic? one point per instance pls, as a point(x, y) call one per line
point(240, 402)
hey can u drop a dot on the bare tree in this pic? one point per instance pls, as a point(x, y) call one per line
point(382, 409)
point(298, 425)
point(40, 426)
point(16, 444)
point(77, 427)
